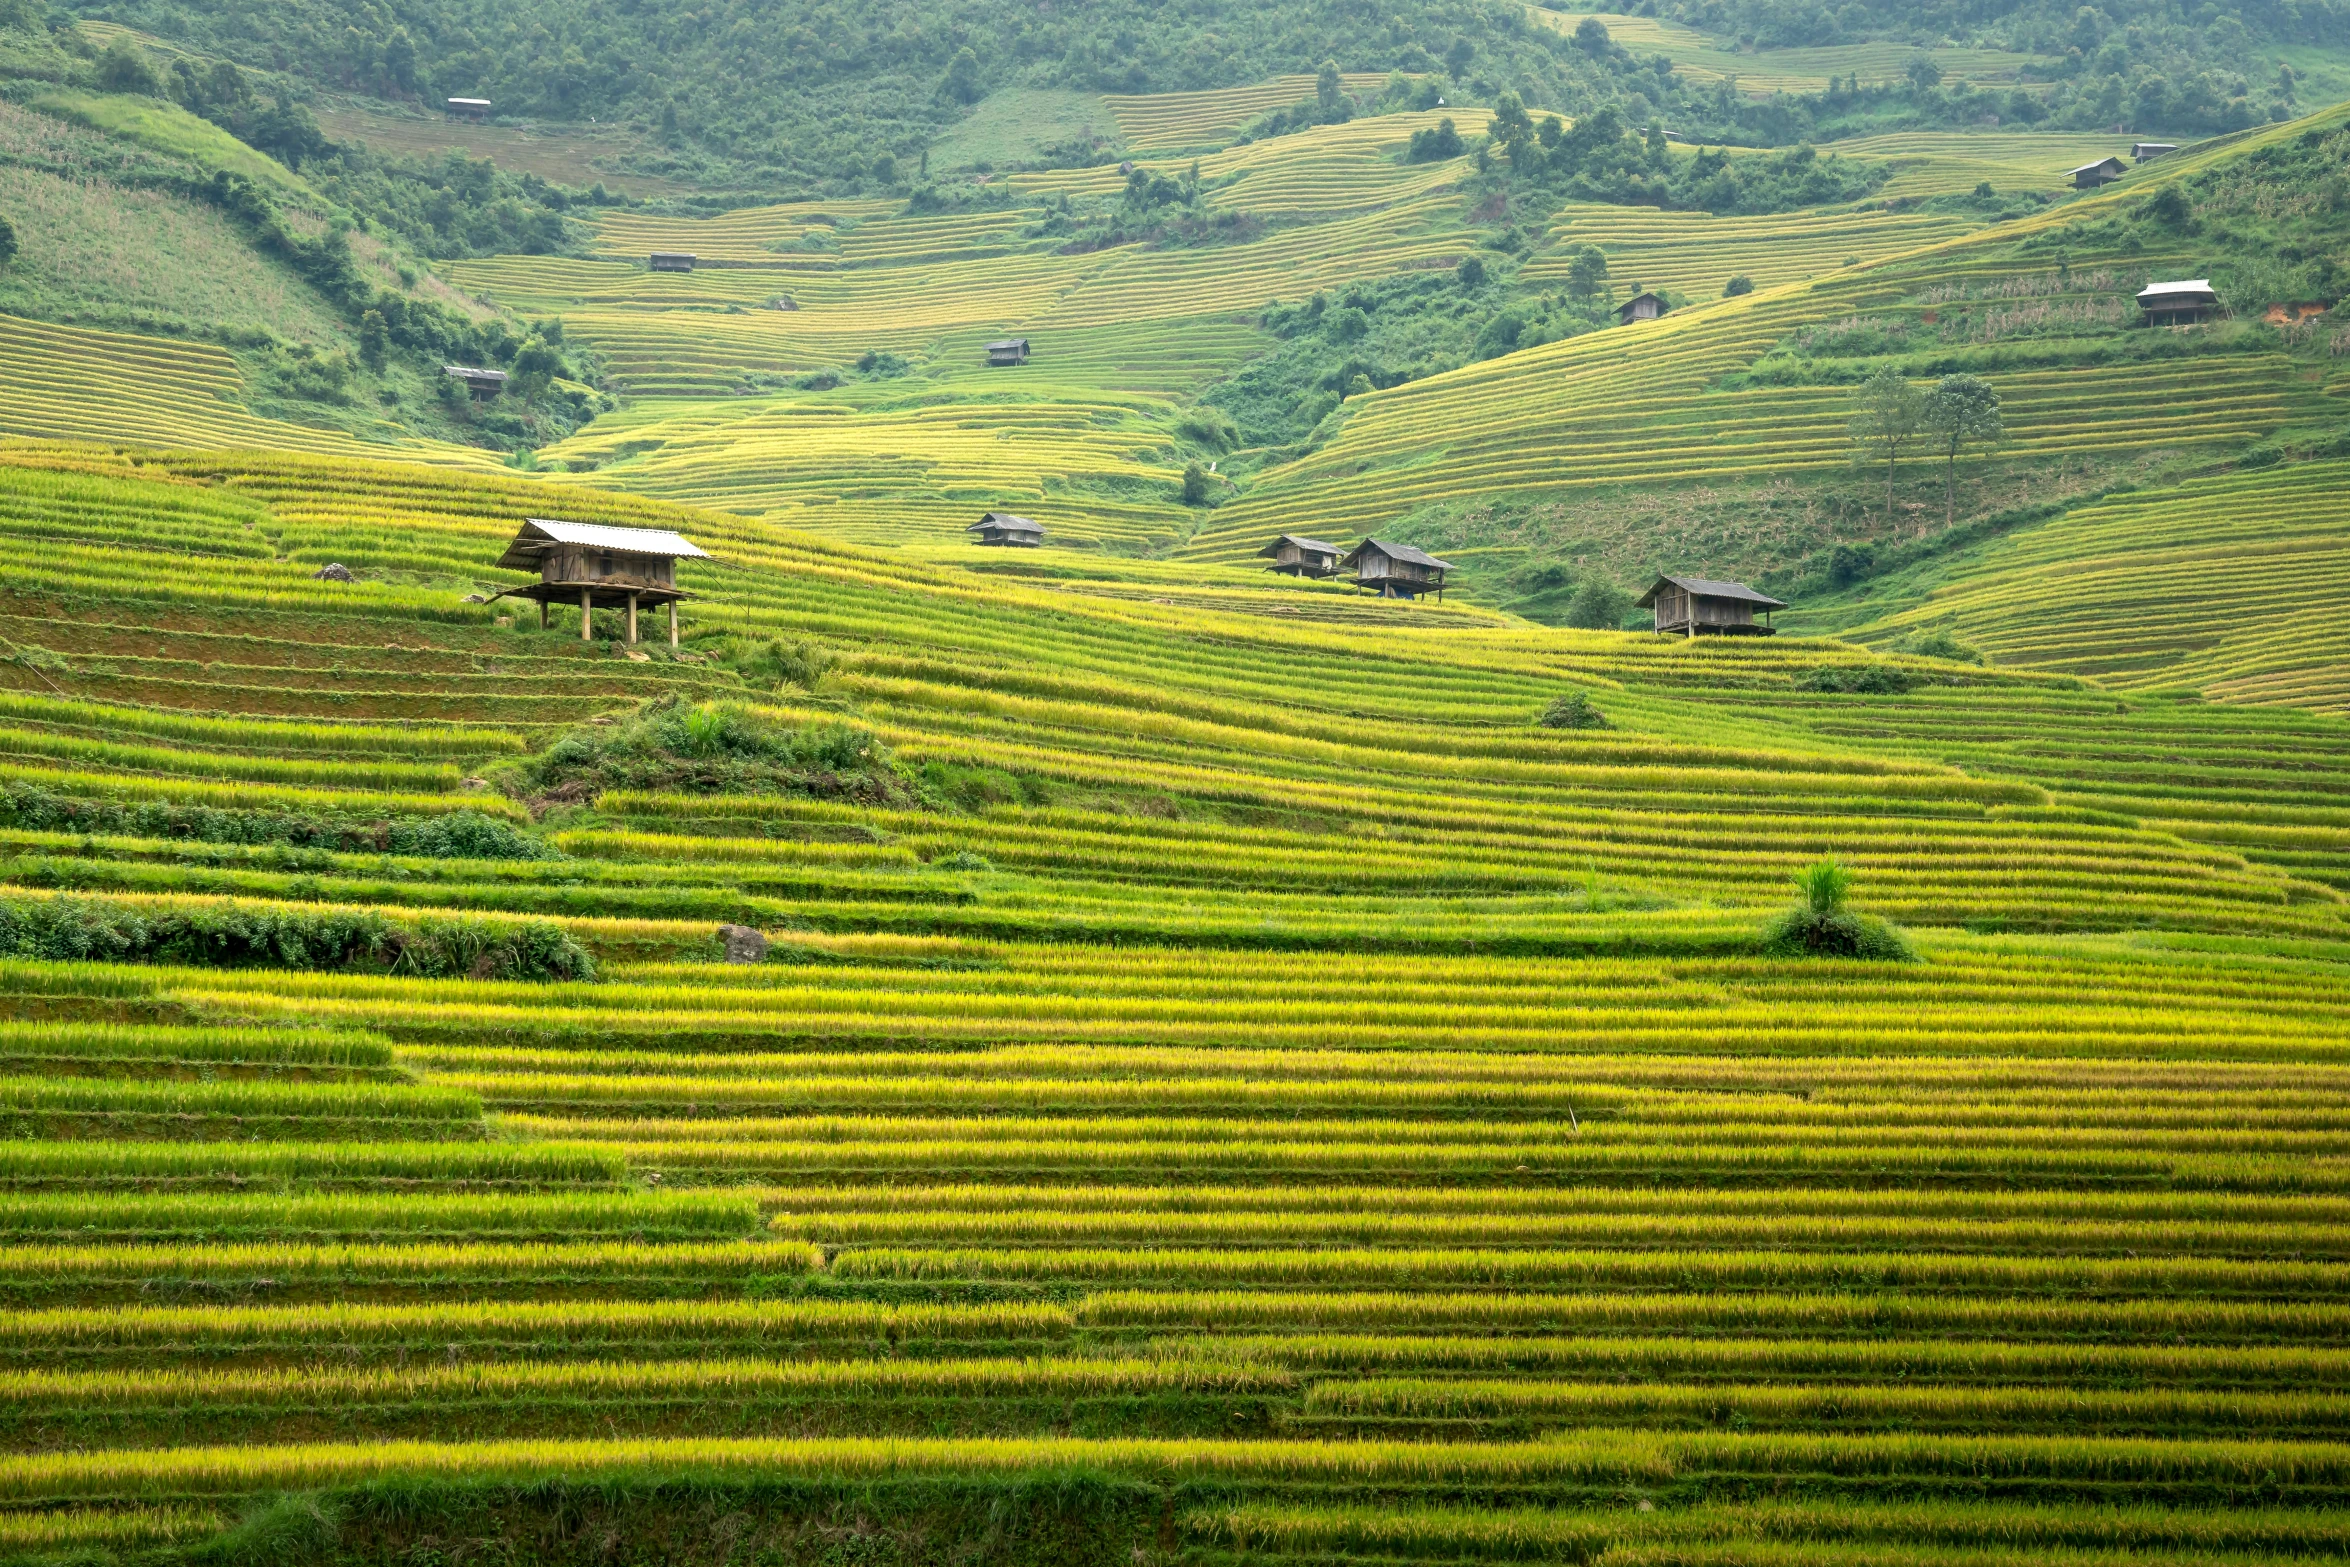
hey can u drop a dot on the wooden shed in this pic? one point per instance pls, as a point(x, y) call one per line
point(1001, 527)
point(1641, 307)
point(1396, 570)
point(2148, 151)
point(483, 384)
point(1008, 351)
point(599, 567)
point(1699, 606)
point(470, 108)
point(671, 261)
point(2091, 175)
point(2179, 304)
point(1296, 557)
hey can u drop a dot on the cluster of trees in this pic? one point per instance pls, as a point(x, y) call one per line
point(2153, 67)
point(1891, 415)
point(1601, 158)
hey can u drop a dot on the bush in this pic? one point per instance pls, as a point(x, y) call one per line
point(1741, 284)
point(1938, 643)
point(1822, 927)
point(1573, 711)
point(466, 835)
point(234, 935)
point(1598, 605)
point(1195, 485)
point(1865, 680)
point(714, 748)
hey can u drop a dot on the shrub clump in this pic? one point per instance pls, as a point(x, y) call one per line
point(714, 748)
point(1572, 711)
point(1862, 680)
point(1938, 643)
point(232, 935)
point(1821, 926)
point(461, 835)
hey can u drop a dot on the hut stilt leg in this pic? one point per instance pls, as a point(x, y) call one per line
point(673, 625)
point(587, 614)
point(543, 614)
point(632, 620)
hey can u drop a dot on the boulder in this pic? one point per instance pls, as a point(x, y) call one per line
point(743, 944)
point(333, 573)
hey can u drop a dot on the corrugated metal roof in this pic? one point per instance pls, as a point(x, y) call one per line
point(1004, 519)
point(2197, 285)
point(1707, 588)
point(1303, 544)
point(523, 553)
point(1403, 552)
point(2112, 158)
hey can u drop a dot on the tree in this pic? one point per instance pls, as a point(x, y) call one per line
point(1885, 413)
point(1511, 126)
point(962, 82)
point(7, 242)
point(1591, 37)
point(124, 67)
point(375, 340)
point(1598, 605)
point(1741, 284)
point(1586, 271)
point(1961, 411)
point(1470, 272)
point(1923, 72)
point(1195, 485)
point(1328, 86)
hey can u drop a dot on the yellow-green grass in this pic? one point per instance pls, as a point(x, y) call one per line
point(168, 128)
point(1696, 253)
point(566, 155)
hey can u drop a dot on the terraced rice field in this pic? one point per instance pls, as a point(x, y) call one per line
point(72, 383)
point(1696, 253)
point(1648, 402)
point(1699, 57)
point(1180, 121)
point(1341, 1118)
point(2215, 586)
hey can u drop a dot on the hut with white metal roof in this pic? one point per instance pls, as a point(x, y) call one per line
point(2179, 304)
point(599, 567)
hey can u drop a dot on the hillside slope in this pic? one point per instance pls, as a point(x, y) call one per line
point(1216, 1046)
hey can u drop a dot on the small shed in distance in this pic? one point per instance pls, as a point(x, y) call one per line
point(1296, 557)
point(671, 261)
point(1643, 306)
point(1008, 351)
point(470, 108)
point(599, 567)
point(2148, 151)
point(483, 384)
point(2091, 175)
point(2179, 304)
point(1001, 527)
point(1396, 570)
point(1700, 606)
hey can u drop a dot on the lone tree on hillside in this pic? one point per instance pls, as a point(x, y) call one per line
point(1886, 411)
point(7, 242)
point(1195, 485)
point(1821, 926)
point(1586, 271)
point(1961, 411)
point(1328, 85)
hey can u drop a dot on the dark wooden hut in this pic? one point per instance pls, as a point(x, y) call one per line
point(1008, 351)
point(1001, 527)
point(1699, 606)
point(599, 567)
point(2091, 175)
point(483, 384)
point(1296, 557)
point(1396, 570)
point(2179, 304)
point(1643, 306)
point(671, 261)
point(2148, 151)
